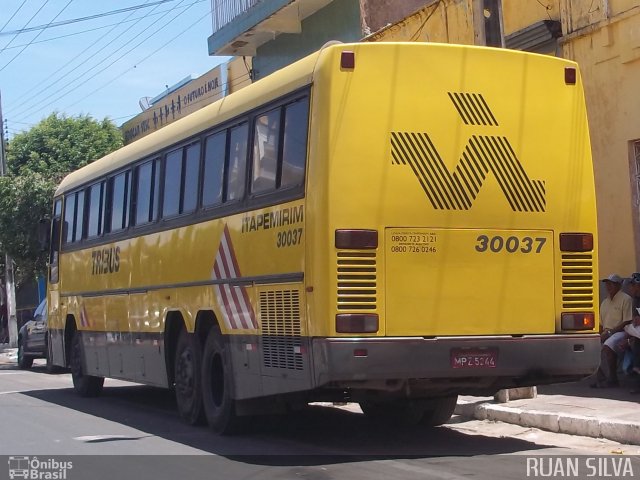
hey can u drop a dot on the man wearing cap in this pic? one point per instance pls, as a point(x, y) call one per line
point(616, 308)
point(615, 312)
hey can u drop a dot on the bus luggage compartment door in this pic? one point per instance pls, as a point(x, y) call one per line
point(449, 282)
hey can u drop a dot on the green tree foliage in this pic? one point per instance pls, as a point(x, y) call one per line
point(37, 160)
point(59, 145)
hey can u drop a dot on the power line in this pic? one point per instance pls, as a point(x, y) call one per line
point(16, 35)
point(84, 19)
point(89, 30)
point(34, 38)
point(143, 59)
point(38, 107)
point(33, 100)
point(14, 14)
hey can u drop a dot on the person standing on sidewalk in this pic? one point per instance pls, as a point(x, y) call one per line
point(615, 312)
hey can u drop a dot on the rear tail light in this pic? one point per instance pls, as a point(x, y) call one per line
point(347, 59)
point(570, 75)
point(578, 321)
point(576, 242)
point(356, 323)
point(356, 239)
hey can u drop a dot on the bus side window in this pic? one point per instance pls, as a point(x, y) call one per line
point(266, 139)
point(172, 181)
point(212, 177)
point(118, 202)
point(69, 212)
point(95, 220)
point(237, 164)
point(54, 244)
point(78, 231)
point(73, 217)
point(294, 151)
point(147, 189)
point(191, 174)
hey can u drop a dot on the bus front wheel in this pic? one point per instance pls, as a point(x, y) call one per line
point(219, 405)
point(83, 384)
point(188, 362)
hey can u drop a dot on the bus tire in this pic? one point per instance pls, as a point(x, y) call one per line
point(83, 384)
point(439, 411)
point(50, 367)
point(24, 362)
point(187, 369)
point(217, 382)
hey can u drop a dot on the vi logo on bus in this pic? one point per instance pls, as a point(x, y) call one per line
point(483, 155)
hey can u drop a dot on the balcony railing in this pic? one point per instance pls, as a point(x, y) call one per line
point(224, 11)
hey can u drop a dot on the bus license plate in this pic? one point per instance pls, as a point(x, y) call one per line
point(464, 358)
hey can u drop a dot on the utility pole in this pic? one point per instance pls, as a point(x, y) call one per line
point(8, 261)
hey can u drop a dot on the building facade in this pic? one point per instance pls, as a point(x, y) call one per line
point(603, 36)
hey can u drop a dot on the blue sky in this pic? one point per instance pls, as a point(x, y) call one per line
point(103, 72)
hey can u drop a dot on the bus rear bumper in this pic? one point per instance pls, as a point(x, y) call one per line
point(490, 363)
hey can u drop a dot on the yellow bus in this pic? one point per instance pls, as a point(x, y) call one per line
point(392, 224)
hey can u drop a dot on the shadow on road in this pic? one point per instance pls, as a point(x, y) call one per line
point(316, 435)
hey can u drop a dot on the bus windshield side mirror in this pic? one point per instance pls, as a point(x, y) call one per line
point(44, 230)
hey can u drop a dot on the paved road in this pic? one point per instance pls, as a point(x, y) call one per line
point(40, 415)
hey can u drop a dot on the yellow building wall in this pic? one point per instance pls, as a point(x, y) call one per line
point(442, 21)
point(608, 52)
point(603, 36)
point(519, 14)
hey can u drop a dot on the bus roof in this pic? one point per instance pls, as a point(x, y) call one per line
point(278, 84)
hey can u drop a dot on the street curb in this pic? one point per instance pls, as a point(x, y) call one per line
point(618, 431)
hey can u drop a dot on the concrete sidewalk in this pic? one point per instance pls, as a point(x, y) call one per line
point(8, 354)
point(572, 408)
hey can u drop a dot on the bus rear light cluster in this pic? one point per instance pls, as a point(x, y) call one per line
point(570, 75)
point(576, 242)
point(356, 239)
point(356, 323)
point(347, 59)
point(578, 321)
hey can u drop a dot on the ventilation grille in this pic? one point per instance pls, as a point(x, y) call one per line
point(281, 329)
point(577, 280)
point(357, 281)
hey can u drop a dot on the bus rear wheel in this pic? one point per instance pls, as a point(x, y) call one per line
point(188, 363)
point(83, 384)
point(439, 410)
point(219, 405)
